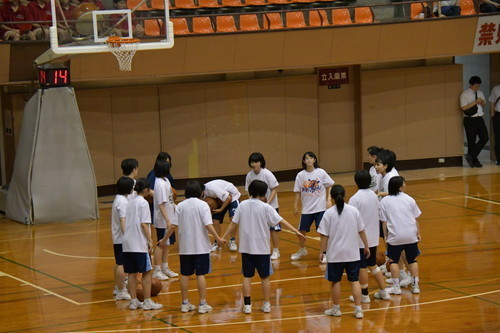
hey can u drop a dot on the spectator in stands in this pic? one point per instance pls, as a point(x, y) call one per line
point(447, 8)
point(13, 11)
point(489, 6)
point(63, 30)
point(39, 11)
point(122, 28)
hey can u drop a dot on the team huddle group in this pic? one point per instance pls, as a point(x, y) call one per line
point(350, 231)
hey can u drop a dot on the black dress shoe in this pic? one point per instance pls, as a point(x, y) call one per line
point(497, 163)
point(469, 160)
point(477, 164)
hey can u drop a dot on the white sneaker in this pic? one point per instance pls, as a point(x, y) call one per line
point(333, 312)
point(123, 295)
point(388, 274)
point(405, 282)
point(323, 259)
point(358, 314)
point(364, 298)
point(415, 289)
point(187, 307)
point(394, 290)
point(301, 253)
point(149, 304)
point(135, 304)
point(275, 255)
point(247, 309)
point(116, 290)
point(383, 269)
point(158, 274)
point(204, 308)
point(389, 281)
point(170, 273)
point(215, 247)
point(266, 307)
point(382, 294)
point(232, 245)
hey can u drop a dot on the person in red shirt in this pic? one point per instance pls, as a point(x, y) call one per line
point(13, 11)
point(39, 11)
point(65, 31)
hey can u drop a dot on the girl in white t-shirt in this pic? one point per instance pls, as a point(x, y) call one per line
point(254, 218)
point(124, 186)
point(137, 247)
point(194, 223)
point(340, 230)
point(372, 157)
point(257, 162)
point(164, 213)
point(399, 212)
point(312, 189)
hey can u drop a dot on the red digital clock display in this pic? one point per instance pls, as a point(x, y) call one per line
point(54, 77)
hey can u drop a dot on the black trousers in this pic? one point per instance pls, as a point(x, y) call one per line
point(475, 127)
point(496, 131)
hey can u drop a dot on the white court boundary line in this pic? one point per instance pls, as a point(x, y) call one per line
point(40, 288)
point(76, 257)
point(217, 287)
point(286, 319)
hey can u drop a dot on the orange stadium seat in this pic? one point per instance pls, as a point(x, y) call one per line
point(152, 27)
point(416, 10)
point(185, 4)
point(208, 3)
point(255, 2)
point(225, 23)
point(273, 21)
point(249, 22)
point(157, 4)
point(180, 26)
point(202, 25)
point(315, 19)
point(363, 15)
point(232, 3)
point(341, 16)
point(295, 20)
point(467, 7)
point(132, 3)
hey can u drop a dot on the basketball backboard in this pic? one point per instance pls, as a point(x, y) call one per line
point(85, 28)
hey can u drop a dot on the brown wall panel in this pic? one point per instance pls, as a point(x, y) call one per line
point(267, 121)
point(454, 115)
point(136, 126)
point(227, 128)
point(383, 110)
point(214, 54)
point(336, 127)
point(168, 61)
point(95, 111)
point(4, 62)
point(403, 41)
point(458, 40)
point(183, 129)
point(301, 118)
point(259, 51)
point(310, 47)
point(357, 44)
point(425, 113)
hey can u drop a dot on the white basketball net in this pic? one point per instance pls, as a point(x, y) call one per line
point(124, 50)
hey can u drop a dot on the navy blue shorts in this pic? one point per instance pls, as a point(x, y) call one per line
point(372, 261)
point(231, 208)
point(191, 263)
point(411, 251)
point(306, 220)
point(335, 270)
point(118, 250)
point(136, 262)
point(261, 262)
point(277, 227)
point(160, 233)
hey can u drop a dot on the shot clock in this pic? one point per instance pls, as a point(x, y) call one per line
point(54, 77)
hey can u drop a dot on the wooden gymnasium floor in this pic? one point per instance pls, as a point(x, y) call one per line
point(57, 277)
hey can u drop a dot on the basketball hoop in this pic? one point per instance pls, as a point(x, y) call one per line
point(124, 50)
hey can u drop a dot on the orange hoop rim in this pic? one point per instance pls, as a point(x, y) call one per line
point(117, 41)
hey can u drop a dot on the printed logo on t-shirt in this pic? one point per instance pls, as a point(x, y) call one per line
point(311, 186)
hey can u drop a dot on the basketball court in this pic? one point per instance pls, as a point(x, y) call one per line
point(58, 277)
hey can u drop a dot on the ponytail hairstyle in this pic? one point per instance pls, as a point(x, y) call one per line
point(338, 194)
point(141, 184)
